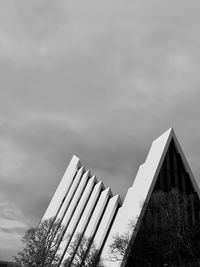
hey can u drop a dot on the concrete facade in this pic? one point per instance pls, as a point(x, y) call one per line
point(85, 206)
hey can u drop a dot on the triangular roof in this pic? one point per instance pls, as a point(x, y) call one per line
point(142, 188)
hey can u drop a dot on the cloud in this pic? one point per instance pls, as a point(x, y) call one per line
point(11, 160)
point(12, 223)
point(99, 79)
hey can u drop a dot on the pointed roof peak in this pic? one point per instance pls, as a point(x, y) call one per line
point(172, 131)
point(75, 157)
point(169, 132)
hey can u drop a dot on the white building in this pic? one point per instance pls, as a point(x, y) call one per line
point(85, 206)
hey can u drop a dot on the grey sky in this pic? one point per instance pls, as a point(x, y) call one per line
point(99, 79)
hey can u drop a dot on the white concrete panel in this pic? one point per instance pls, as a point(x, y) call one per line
point(106, 221)
point(90, 206)
point(63, 188)
point(77, 214)
point(70, 194)
point(75, 200)
point(93, 223)
point(72, 207)
point(87, 212)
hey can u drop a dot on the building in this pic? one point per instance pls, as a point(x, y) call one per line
point(85, 206)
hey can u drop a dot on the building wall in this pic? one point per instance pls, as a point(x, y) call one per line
point(173, 177)
point(84, 206)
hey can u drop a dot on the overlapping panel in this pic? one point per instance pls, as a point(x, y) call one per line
point(77, 214)
point(97, 214)
point(74, 202)
point(70, 194)
point(96, 218)
point(89, 208)
point(106, 221)
point(62, 189)
point(86, 214)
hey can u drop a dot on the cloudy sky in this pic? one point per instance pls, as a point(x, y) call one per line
point(96, 78)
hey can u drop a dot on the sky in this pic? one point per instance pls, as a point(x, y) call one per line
point(98, 79)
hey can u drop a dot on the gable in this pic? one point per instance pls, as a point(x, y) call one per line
point(174, 202)
point(164, 168)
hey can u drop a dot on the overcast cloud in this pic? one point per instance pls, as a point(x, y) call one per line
point(98, 79)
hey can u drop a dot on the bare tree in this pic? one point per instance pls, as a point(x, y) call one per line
point(82, 252)
point(167, 233)
point(40, 245)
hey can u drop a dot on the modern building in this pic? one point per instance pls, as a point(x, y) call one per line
point(85, 206)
